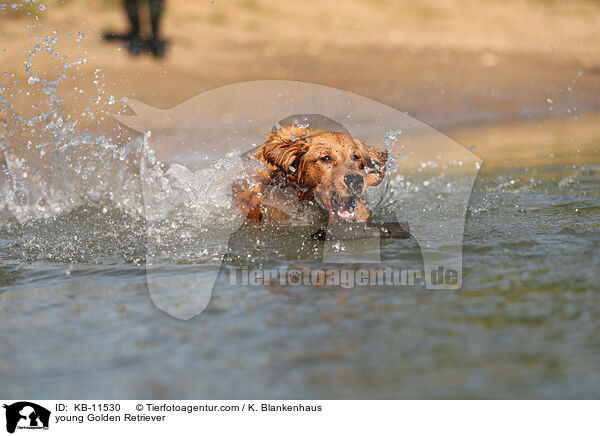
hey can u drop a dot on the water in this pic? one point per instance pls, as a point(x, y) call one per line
point(77, 320)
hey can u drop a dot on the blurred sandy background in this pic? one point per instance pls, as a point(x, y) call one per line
point(530, 68)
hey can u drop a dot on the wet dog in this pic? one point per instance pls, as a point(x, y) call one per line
point(329, 169)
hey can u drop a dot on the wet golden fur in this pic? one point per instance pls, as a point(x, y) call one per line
point(331, 168)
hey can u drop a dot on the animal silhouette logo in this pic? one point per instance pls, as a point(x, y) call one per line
point(26, 415)
point(431, 175)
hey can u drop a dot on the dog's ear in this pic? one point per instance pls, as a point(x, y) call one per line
point(374, 161)
point(284, 148)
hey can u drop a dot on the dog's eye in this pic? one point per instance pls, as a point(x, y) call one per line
point(355, 157)
point(325, 159)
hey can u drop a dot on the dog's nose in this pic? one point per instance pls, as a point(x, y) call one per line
point(354, 182)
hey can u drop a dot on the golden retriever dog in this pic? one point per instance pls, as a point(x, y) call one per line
point(330, 169)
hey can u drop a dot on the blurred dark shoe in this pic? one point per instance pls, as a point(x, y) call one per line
point(135, 45)
point(158, 47)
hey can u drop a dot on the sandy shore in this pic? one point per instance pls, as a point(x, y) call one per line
point(454, 65)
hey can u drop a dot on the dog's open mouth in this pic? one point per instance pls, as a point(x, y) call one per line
point(343, 208)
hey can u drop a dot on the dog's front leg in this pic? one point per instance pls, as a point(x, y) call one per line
point(249, 199)
point(362, 213)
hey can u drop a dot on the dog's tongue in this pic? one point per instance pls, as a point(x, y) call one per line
point(345, 208)
point(344, 214)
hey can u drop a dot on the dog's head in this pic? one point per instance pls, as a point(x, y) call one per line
point(334, 167)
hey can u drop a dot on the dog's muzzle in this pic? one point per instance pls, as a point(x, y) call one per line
point(355, 183)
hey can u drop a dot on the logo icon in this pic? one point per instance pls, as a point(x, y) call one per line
point(26, 415)
point(427, 184)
